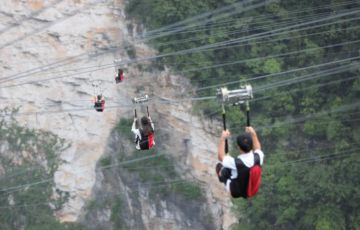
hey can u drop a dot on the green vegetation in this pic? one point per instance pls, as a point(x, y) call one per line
point(116, 210)
point(189, 190)
point(308, 126)
point(29, 158)
point(123, 128)
point(159, 172)
point(105, 161)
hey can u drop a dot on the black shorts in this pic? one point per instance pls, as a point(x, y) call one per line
point(223, 173)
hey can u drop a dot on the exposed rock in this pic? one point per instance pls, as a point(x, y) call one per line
point(63, 105)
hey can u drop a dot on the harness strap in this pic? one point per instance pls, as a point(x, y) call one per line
point(256, 159)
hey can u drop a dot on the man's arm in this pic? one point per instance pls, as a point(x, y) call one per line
point(255, 139)
point(221, 147)
point(151, 122)
point(133, 127)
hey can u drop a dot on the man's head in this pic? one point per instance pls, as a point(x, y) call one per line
point(145, 121)
point(244, 142)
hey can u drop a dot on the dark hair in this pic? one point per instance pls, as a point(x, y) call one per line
point(245, 142)
point(146, 126)
point(99, 97)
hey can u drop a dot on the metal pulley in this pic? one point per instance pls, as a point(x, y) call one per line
point(235, 96)
point(141, 99)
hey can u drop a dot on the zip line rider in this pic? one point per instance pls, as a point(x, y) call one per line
point(144, 136)
point(120, 76)
point(241, 175)
point(99, 103)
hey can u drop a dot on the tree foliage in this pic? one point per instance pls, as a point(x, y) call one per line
point(307, 119)
point(28, 160)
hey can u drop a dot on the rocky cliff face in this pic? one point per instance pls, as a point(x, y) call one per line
point(51, 54)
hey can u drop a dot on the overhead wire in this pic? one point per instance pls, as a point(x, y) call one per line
point(304, 160)
point(190, 70)
point(48, 25)
point(319, 85)
point(12, 189)
point(158, 186)
point(225, 11)
point(47, 180)
point(270, 56)
point(228, 31)
point(263, 34)
point(32, 168)
point(29, 17)
point(258, 17)
point(343, 108)
point(255, 77)
point(233, 20)
point(347, 106)
point(306, 77)
point(148, 58)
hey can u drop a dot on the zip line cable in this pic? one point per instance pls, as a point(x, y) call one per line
point(16, 188)
point(218, 13)
point(163, 101)
point(0, 47)
point(239, 32)
point(312, 76)
point(202, 22)
point(254, 77)
point(262, 34)
point(343, 108)
point(148, 58)
point(311, 27)
point(48, 25)
point(310, 87)
point(56, 64)
point(253, 100)
point(32, 15)
point(212, 97)
point(226, 31)
point(323, 157)
point(309, 160)
point(201, 68)
point(158, 186)
point(80, 68)
point(92, 108)
point(286, 29)
point(44, 181)
point(234, 20)
point(247, 78)
point(32, 168)
point(172, 165)
point(250, 17)
point(271, 56)
point(246, 42)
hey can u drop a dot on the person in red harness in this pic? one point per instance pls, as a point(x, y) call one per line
point(241, 175)
point(144, 137)
point(99, 103)
point(120, 76)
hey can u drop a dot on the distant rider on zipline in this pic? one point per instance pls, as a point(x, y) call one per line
point(241, 175)
point(99, 103)
point(144, 136)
